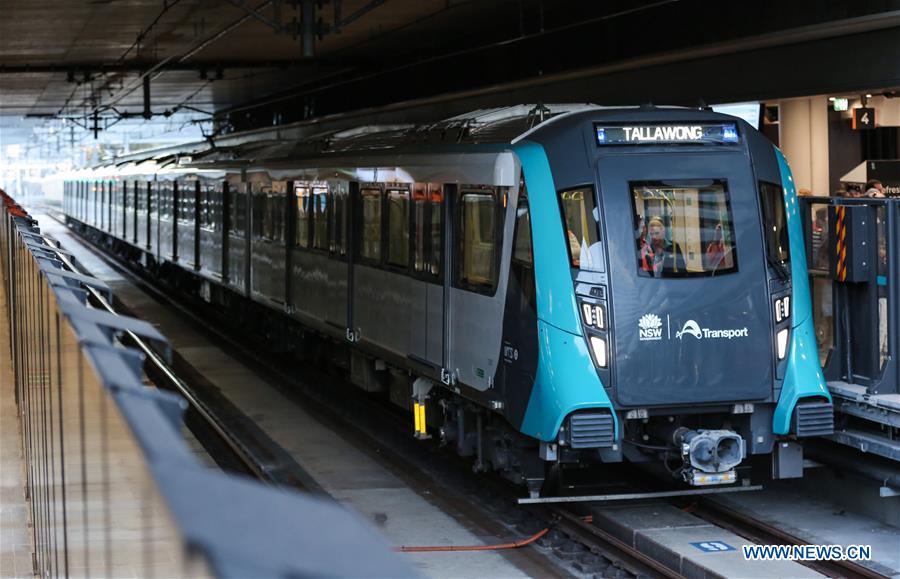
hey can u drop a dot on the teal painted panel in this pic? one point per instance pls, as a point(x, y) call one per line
point(803, 376)
point(556, 302)
point(566, 381)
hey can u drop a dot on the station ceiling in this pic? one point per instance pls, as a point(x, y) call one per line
point(259, 62)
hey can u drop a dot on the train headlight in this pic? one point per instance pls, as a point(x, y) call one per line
point(594, 315)
point(782, 340)
point(782, 309)
point(598, 345)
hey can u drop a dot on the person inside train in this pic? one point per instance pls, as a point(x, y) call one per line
point(659, 256)
point(718, 253)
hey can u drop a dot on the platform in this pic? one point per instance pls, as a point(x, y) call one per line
point(687, 544)
point(883, 410)
point(15, 533)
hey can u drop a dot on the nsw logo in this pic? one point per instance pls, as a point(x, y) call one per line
point(690, 327)
point(650, 327)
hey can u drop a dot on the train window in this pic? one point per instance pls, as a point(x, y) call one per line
point(165, 201)
point(420, 226)
point(478, 233)
point(320, 217)
point(302, 199)
point(777, 241)
point(435, 248)
point(186, 202)
point(398, 227)
point(338, 233)
point(427, 219)
point(370, 248)
point(273, 226)
point(582, 228)
point(523, 253)
point(238, 209)
point(683, 228)
point(257, 214)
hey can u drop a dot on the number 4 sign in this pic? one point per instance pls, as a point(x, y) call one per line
point(863, 118)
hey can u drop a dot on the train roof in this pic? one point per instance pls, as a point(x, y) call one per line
point(495, 126)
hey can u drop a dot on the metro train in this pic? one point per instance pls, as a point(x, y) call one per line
point(542, 287)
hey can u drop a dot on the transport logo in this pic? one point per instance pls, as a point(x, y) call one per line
point(690, 327)
point(650, 327)
point(693, 328)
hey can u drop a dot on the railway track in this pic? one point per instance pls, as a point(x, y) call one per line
point(598, 551)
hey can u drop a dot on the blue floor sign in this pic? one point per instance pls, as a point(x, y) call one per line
point(713, 546)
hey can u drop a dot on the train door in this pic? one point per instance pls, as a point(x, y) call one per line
point(427, 295)
point(477, 293)
point(690, 301)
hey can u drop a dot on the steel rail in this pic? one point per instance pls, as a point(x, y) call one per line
point(612, 547)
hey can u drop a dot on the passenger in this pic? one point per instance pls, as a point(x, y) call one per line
point(716, 253)
point(659, 255)
point(877, 186)
point(574, 248)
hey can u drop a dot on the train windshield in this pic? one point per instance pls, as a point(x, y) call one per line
point(683, 228)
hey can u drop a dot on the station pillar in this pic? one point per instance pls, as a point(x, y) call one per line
point(804, 141)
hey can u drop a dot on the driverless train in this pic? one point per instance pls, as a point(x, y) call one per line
point(541, 287)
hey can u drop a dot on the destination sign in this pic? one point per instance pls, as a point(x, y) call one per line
point(667, 134)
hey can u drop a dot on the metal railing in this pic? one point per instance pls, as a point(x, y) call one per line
point(113, 488)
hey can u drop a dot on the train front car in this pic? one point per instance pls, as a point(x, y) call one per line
point(673, 314)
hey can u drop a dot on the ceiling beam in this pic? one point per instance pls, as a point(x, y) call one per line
point(139, 66)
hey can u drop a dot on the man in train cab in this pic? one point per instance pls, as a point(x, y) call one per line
point(660, 256)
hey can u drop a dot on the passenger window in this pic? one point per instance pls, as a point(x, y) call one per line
point(478, 226)
point(338, 243)
point(239, 210)
point(165, 206)
point(274, 225)
point(320, 218)
point(582, 228)
point(777, 241)
point(522, 249)
point(435, 248)
point(302, 199)
point(186, 194)
point(258, 214)
point(371, 218)
point(427, 213)
point(398, 227)
point(420, 226)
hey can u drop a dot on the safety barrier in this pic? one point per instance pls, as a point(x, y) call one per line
point(852, 250)
point(114, 490)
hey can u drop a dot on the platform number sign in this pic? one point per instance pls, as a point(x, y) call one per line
point(864, 118)
point(713, 546)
